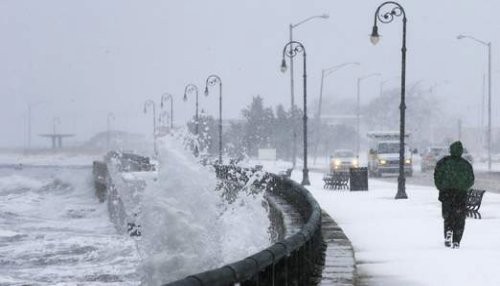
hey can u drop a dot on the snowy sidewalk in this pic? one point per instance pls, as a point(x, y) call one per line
point(399, 242)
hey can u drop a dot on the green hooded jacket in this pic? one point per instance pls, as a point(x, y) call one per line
point(454, 172)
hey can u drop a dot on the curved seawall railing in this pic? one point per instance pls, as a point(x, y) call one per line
point(296, 260)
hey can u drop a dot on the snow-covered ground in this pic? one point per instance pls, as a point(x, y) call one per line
point(400, 242)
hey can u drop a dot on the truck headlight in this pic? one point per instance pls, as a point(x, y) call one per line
point(382, 162)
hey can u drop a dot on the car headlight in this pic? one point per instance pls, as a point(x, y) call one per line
point(382, 162)
point(355, 162)
point(337, 162)
point(408, 161)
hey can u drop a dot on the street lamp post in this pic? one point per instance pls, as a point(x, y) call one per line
point(212, 80)
point(394, 9)
point(324, 73)
point(488, 133)
point(358, 99)
point(164, 97)
point(109, 117)
point(190, 88)
point(292, 97)
point(151, 103)
point(290, 50)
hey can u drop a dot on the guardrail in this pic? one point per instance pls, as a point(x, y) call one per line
point(296, 260)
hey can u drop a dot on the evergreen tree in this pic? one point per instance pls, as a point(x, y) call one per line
point(258, 126)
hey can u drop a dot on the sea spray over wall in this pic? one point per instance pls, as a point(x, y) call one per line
point(179, 216)
point(188, 227)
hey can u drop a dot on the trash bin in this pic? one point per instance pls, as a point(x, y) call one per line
point(358, 179)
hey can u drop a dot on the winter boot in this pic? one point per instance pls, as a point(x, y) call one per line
point(456, 245)
point(448, 238)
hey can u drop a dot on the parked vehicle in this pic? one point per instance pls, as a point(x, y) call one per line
point(467, 156)
point(433, 154)
point(342, 160)
point(383, 157)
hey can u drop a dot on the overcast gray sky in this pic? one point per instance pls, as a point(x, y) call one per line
point(79, 60)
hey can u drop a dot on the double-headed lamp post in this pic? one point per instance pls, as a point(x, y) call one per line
point(152, 104)
point(292, 97)
point(324, 73)
point(391, 11)
point(164, 97)
point(290, 50)
point(358, 102)
point(212, 80)
point(190, 88)
point(488, 136)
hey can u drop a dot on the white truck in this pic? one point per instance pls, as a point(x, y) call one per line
point(383, 155)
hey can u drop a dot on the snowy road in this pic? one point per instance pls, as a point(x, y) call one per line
point(53, 231)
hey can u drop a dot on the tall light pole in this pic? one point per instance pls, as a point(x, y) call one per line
point(358, 102)
point(109, 117)
point(164, 97)
point(151, 103)
point(292, 97)
point(291, 49)
point(324, 73)
point(488, 133)
point(212, 80)
point(189, 89)
point(393, 10)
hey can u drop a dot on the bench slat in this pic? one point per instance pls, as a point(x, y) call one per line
point(473, 203)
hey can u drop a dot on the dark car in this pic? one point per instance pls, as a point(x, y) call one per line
point(434, 153)
point(431, 155)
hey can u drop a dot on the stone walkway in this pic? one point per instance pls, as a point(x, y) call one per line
point(340, 264)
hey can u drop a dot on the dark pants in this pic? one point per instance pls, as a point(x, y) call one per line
point(454, 212)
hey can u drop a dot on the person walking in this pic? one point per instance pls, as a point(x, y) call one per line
point(453, 177)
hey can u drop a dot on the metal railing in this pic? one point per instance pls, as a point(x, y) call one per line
point(296, 260)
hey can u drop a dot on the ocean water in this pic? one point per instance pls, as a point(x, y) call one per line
point(53, 231)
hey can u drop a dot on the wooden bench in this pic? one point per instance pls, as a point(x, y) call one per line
point(336, 180)
point(474, 199)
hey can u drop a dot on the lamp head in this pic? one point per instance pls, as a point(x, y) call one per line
point(206, 90)
point(283, 65)
point(374, 37)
